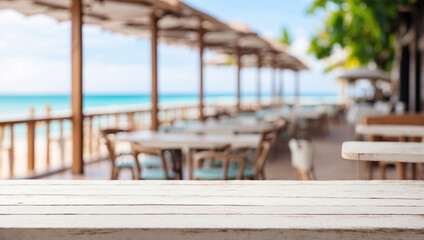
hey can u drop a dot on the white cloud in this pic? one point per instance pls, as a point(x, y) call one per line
point(28, 75)
point(35, 58)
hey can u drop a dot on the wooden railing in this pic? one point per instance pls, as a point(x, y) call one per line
point(46, 159)
point(41, 157)
point(21, 151)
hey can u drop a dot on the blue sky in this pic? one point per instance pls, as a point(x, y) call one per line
point(35, 54)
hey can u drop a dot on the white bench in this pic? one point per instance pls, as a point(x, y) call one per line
point(211, 210)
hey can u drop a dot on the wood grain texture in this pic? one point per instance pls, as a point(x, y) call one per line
point(211, 210)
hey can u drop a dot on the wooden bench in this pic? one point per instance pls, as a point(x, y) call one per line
point(166, 210)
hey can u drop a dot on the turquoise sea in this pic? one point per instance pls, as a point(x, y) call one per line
point(12, 106)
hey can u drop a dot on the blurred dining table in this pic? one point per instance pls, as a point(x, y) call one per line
point(294, 114)
point(391, 152)
point(188, 143)
point(390, 130)
point(223, 128)
point(403, 133)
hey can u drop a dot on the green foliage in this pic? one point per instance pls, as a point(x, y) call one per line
point(285, 37)
point(365, 28)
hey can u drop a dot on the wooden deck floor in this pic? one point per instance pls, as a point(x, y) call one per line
point(328, 162)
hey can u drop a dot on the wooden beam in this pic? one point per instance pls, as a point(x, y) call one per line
point(258, 80)
point(238, 60)
point(154, 54)
point(201, 48)
point(76, 98)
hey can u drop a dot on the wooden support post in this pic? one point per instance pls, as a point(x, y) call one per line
point(2, 130)
point(90, 136)
point(131, 122)
point(48, 111)
point(273, 81)
point(281, 86)
point(273, 88)
point(297, 88)
point(48, 144)
point(77, 115)
point(258, 80)
point(12, 151)
point(238, 60)
point(413, 65)
point(201, 48)
point(154, 61)
point(31, 146)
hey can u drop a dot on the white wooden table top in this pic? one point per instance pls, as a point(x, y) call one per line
point(224, 128)
point(384, 151)
point(186, 141)
point(163, 210)
point(390, 130)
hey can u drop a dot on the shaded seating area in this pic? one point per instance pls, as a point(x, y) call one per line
point(162, 22)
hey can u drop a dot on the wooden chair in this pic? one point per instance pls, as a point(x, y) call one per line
point(255, 168)
point(260, 158)
point(302, 156)
point(163, 172)
point(119, 161)
point(232, 166)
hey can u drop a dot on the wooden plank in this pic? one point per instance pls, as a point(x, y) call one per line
point(343, 189)
point(220, 183)
point(392, 119)
point(245, 222)
point(58, 200)
point(209, 234)
point(77, 114)
point(209, 210)
point(360, 191)
point(154, 61)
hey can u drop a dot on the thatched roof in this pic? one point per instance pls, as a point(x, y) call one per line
point(178, 23)
point(279, 61)
point(365, 73)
